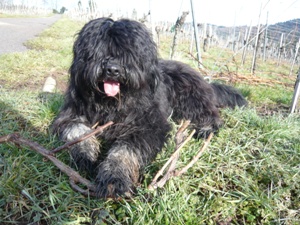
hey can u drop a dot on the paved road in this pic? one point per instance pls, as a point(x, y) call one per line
point(15, 31)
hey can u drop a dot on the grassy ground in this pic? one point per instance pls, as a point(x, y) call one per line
point(250, 173)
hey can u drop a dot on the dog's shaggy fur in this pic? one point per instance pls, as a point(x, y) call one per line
point(116, 76)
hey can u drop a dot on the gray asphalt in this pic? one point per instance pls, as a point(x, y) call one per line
point(14, 32)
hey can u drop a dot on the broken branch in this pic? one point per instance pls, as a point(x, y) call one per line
point(83, 137)
point(195, 159)
point(173, 160)
point(73, 175)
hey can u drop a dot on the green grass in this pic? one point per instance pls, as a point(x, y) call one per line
point(50, 55)
point(249, 174)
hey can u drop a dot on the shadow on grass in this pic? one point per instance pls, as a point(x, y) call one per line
point(32, 189)
point(24, 174)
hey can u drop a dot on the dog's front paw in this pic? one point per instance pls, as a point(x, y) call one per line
point(114, 184)
point(114, 188)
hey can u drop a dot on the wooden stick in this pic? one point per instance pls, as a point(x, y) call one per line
point(160, 172)
point(72, 174)
point(173, 159)
point(86, 192)
point(180, 133)
point(170, 173)
point(195, 159)
point(83, 137)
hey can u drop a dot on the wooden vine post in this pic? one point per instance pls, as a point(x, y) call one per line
point(177, 28)
point(258, 36)
point(196, 37)
point(295, 56)
point(296, 95)
point(266, 39)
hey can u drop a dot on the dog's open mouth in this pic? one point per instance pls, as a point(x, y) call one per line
point(111, 88)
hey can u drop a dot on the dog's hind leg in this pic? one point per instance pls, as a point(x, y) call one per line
point(199, 108)
point(191, 96)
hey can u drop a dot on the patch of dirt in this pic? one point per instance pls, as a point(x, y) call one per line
point(255, 80)
point(61, 81)
point(60, 77)
point(270, 110)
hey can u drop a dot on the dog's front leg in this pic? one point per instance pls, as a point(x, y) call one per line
point(84, 153)
point(119, 172)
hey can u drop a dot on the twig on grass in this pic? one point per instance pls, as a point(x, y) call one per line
point(74, 177)
point(84, 137)
point(179, 137)
point(196, 157)
point(174, 158)
point(91, 191)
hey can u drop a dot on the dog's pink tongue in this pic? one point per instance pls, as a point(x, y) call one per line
point(111, 88)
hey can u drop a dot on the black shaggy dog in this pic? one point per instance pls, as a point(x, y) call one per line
point(116, 76)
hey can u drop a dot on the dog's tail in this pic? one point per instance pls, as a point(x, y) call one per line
point(228, 96)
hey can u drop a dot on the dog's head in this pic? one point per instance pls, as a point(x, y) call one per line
point(114, 56)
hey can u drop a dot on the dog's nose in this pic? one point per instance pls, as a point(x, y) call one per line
point(113, 70)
